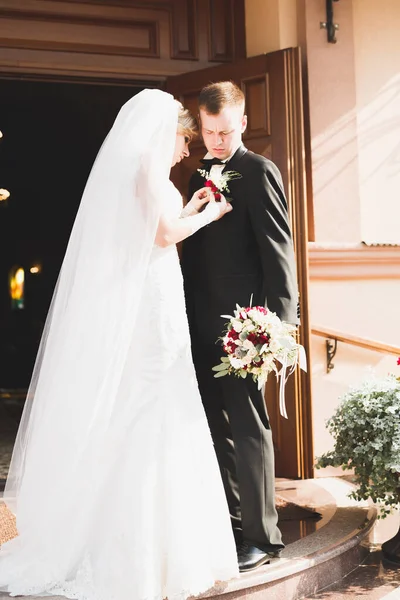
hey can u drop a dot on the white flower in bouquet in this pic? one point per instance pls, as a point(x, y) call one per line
point(237, 325)
point(248, 345)
point(236, 363)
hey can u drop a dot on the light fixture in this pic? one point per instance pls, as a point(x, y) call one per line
point(35, 269)
point(329, 25)
point(17, 285)
point(4, 194)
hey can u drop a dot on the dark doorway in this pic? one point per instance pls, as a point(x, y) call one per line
point(52, 133)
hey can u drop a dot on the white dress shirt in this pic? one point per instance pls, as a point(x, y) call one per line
point(216, 170)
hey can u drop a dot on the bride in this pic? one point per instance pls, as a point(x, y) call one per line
point(113, 480)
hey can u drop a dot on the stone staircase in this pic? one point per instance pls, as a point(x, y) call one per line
point(317, 554)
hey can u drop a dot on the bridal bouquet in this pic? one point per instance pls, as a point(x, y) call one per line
point(257, 342)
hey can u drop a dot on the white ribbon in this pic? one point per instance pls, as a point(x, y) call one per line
point(300, 360)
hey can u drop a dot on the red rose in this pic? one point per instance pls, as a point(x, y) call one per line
point(398, 361)
point(217, 196)
point(230, 348)
point(209, 183)
point(233, 334)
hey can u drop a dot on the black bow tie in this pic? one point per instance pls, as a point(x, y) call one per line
point(209, 162)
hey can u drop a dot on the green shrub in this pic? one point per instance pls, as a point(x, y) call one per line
point(366, 430)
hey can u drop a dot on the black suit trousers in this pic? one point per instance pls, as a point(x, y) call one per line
point(240, 429)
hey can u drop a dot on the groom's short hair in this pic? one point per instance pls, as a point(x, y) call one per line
point(215, 96)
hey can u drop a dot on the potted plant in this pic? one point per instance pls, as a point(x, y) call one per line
point(366, 430)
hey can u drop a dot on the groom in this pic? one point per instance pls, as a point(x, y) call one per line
point(248, 253)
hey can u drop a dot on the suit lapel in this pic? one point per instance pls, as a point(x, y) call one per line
point(234, 165)
point(231, 165)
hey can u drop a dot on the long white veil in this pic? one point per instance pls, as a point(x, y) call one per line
point(76, 390)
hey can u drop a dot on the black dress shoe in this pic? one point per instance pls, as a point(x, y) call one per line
point(274, 552)
point(250, 557)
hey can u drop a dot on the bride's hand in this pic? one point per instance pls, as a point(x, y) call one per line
point(218, 209)
point(200, 198)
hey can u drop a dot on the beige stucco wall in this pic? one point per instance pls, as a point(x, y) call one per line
point(270, 25)
point(362, 308)
point(377, 70)
point(354, 100)
point(333, 125)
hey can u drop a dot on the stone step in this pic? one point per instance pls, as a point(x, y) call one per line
point(374, 579)
point(337, 546)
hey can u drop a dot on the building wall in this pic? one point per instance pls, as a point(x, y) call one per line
point(333, 125)
point(377, 71)
point(354, 103)
point(270, 25)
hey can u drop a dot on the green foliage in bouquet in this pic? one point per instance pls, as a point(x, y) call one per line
point(366, 429)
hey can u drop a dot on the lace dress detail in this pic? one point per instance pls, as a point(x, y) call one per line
point(153, 522)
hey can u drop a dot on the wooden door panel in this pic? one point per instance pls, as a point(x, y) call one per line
point(272, 87)
point(256, 92)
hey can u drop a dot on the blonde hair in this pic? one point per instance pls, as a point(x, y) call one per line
point(187, 124)
point(215, 96)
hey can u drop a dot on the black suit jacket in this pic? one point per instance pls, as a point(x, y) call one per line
point(247, 252)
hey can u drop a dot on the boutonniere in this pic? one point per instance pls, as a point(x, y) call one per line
point(218, 183)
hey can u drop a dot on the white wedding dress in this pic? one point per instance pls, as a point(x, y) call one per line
point(139, 512)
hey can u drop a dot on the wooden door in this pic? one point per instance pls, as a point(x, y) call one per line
point(272, 87)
